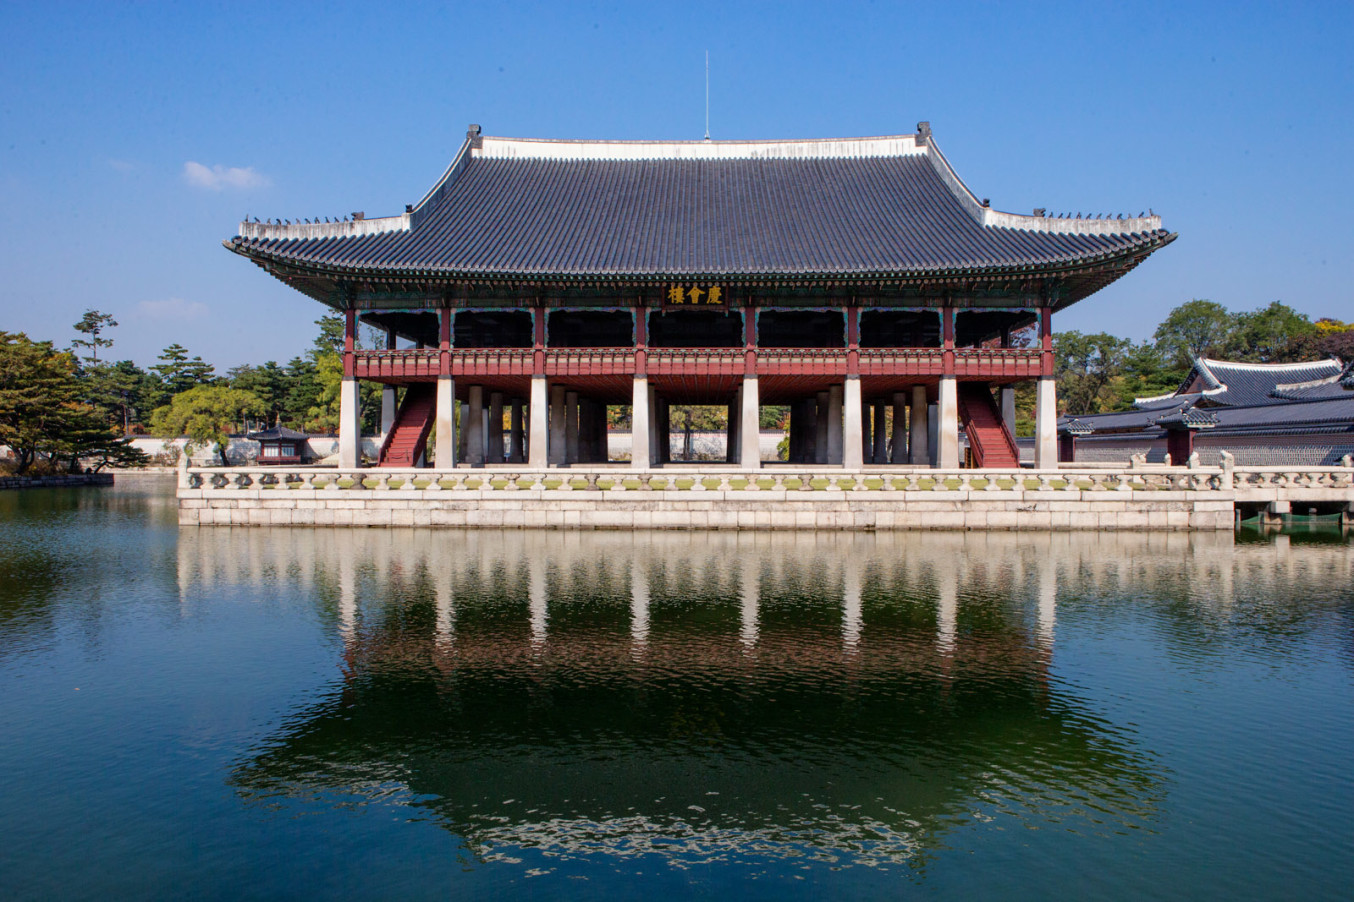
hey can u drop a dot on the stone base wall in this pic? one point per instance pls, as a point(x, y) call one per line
point(750, 510)
point(50, 482)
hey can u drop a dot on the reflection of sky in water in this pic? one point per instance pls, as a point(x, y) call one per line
point(985, 713)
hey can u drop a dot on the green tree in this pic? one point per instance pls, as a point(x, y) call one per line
point(1145, 374)
point(1086, 367)
point(37, 391)
point(87, 436)
point(179, 372)
point(1196, 328)
point(92, 325)
point(206, 414)
point(268, 382)
point(1272, 334)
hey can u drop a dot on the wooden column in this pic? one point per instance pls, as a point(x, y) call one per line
point(444, 428)
point(350, 398)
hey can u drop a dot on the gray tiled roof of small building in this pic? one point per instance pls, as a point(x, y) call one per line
point(519, 214)
point(1233, 384)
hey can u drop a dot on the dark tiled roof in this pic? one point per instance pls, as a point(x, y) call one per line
point(276, 433)
point(1290, 414)
point(1189, 418)
point(1339, 385)
point(1229, 384)
point(523, 209)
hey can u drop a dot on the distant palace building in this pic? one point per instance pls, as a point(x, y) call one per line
point(1264, 414)
point(842, 278)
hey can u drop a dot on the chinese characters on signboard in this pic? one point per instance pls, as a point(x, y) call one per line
point(695, 295)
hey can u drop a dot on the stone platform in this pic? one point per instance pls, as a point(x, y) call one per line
point(776, 498)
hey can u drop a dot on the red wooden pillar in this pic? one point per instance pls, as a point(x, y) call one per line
point(1046, 341)
point(444, 343)
point(750, 340)
point(641, 339)
point(853, 341)
point(947, 340)
point(538, 342)
point(349, 343)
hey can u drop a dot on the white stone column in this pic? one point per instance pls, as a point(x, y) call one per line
point(866, 433)
point(538, 442)
point(947, 426)
point(899, 428)
point(822, 406)
point(571, 426)
point(852, 441)
point(474, 452)
point(350, 424)
point(388, 409)
point(1046, 426)
point(1006, 395)
point(918, 453)
point(444, 424)
point(641, 433)
point(749, 431)
point(559, 449)
point(515, 433)
point(495, 435)
point(834, 423)
point(881, 435)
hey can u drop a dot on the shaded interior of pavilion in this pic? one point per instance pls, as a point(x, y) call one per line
point(826, 417)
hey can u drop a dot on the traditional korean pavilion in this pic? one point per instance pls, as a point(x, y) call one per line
point(844, 278)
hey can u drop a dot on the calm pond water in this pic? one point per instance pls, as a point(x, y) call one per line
point(267, 713)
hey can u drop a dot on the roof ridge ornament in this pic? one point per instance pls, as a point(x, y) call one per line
point(923, 133)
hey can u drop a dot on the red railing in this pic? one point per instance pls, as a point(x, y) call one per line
point(418, 364)
point(695, 361)
point(997, 363)
point(902, 361)
point(969, 363)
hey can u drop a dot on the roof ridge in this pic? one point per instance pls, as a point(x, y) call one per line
point(1246, 365)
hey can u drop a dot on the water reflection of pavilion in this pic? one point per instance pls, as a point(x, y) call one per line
point(699, 694)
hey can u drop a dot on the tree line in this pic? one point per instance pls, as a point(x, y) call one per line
point(1099, 372)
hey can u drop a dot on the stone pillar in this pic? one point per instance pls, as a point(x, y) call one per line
point(641, 433)
point(515, 455)
point(749, 430)
point(866, 434)
point(445, 424)
point(834, 423)
point(919, 452)
point(655, 426)
point(853, 439)
point(1046, 426)
point(932, 432)
point(881, 434)
point(474, 452)
point(559, 455)
point(1006, 399)
point(495, 428)
point(462, 432)
point(947, 425)
point(664, 433)
point(388, 409)
point(571, 448)
point(899, 428)
point(350, 424)
point(600, 440)
point(538, 440)
point(822, 408)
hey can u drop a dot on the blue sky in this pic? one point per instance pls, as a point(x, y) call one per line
point(134, 137)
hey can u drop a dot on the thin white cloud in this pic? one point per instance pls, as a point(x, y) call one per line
point(121, 165)
point(171, 309)
point(218, 177)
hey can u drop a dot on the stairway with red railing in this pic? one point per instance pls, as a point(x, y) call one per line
point(408, 437)
point(991, 442)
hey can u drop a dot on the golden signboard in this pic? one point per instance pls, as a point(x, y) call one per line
point(695, 295)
